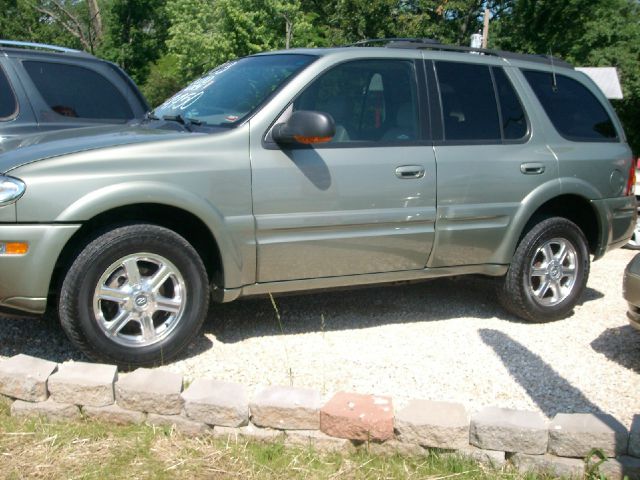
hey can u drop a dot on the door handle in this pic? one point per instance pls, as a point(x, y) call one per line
point(410, 171)
point(533, 168)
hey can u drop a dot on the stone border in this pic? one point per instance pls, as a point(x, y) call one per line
point(298, 417)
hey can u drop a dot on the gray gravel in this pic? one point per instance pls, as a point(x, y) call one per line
point(441, 340)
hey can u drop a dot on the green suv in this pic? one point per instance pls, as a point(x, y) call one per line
point(316, 168)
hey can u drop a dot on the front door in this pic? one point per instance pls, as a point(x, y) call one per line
point(363, 203)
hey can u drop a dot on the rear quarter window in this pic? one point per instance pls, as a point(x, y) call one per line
point(8, 102)
point(78, 92)
point(574, 111)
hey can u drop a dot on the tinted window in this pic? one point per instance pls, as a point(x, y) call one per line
point(514, 121)
point(78, 92)
point(469, 104)
point(370, 101)
point(8, 104)
point(572, 108)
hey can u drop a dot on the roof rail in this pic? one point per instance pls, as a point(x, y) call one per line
point(395, 40)
point(43, 46)
point(431, 44)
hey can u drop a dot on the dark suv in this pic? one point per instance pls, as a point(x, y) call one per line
point(44, 87)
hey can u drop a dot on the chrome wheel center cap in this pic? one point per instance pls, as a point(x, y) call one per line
point(141, 301)
point(555, 272)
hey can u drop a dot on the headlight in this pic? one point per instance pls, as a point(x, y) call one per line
point(11, 189)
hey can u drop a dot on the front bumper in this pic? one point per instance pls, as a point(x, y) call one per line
point(631, 290)
point(25, 279)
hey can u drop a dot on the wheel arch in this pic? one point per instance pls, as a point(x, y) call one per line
point(187, 224)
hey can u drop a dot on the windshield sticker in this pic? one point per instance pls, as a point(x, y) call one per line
point(188, 95)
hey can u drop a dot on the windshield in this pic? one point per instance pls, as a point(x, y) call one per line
point(231, 92)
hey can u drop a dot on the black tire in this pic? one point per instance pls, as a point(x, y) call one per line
point(523, 293)
point(83, 312)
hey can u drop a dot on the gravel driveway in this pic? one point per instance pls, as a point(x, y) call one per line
point(444, 340)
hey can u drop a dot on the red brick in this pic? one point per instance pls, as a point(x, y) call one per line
point(358, 417)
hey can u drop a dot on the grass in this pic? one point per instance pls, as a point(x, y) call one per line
point(95, 450)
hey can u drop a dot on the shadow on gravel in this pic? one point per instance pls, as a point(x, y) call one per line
point(361, 307)
point(37, 337)
point(45, 339)
point(621, 345)
point(550, 391)
point(355, 308)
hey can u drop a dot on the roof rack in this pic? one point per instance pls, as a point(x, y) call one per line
point(431, 44)
point(42, 46)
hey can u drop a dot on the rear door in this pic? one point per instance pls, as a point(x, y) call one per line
point(490, 158)
point(364, 203)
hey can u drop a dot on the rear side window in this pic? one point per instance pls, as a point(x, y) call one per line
point(514, 121)
point(469, 108)
point(575, 112)
point(8, 103)
point(78, 92)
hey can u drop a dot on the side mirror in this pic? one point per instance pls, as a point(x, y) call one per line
point(305, 127)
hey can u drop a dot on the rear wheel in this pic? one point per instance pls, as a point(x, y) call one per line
point(548, 273)
point(135, 296)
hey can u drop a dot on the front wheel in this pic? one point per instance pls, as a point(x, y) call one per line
point(135, 296)
point(548, 273)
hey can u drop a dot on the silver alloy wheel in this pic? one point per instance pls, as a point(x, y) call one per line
point(553, 272)
point(139, 300)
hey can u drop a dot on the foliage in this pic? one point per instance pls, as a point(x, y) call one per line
point(163, 80)
point(135, 35)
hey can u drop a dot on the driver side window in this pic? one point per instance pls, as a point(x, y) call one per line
point(369, 100)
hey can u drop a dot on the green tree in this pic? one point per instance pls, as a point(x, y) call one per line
point(204, 34)
point(20, 20)
point(135, 35)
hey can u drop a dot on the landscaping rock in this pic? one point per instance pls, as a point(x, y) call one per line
point(509, 430)
point(576, 434)
point(491, 458)
point(621, 468)
point(317, 440)
point(250, 432)
point(287, 408)
point(393, 447)
point(216, 403)
point(180, 424)
point(634, 437)
point(25, 378)
point(114, 414)
point(152, 391)
point(83, 384)
point(556, 466)
point(52, 411)
point(358, 417)
point(433, 424)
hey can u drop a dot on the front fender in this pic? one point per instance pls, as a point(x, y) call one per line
point(228, 232)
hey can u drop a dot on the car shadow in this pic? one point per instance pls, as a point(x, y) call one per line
point(362, 307)
point(44, 338)
point(335, 310)
point(620, 345)
point(529, 370)
point(557, 394)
